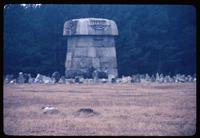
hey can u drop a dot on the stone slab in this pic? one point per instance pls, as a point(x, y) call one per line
point(108, 62)
point(106, 52)
point(96, 62)
point(78, 63)
point(92, 52)
point(90, 26)
point(80, 52)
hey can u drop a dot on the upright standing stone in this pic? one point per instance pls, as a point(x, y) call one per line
point(90, 44)
point(26, 78)
point(21, 78)
point(30, 79)
point(8, 78)
point(55, 76)
point(95, 75)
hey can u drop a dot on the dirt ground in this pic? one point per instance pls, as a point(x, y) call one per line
point(120, 109)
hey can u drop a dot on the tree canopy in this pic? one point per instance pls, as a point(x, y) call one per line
point(152, 38)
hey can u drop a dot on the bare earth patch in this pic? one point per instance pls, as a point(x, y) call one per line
point(112, 109)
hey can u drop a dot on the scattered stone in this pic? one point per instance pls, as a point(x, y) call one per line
point(30, 79)
point(103, 80)
point(26, 77)
point(126, 79)
point(134, 79)
point(166, 79)
point(8, 78)
point(179, 78)
point(113, 80)
point(110, 77)
point(62, 80)
point(118, 80)
point(147, 77)
point(20, 78)
point(13, 81)
point(46, 79)
point(86, 112)
point(70, 81)
point(55, 77)
point(189, 78)
point(79, 79)
point(194, 80)
point(143, 81)
point(38, 79)
point(137, 78)
point(153, 79)
point(88, 81)
point(95, 76)
point(50, 110)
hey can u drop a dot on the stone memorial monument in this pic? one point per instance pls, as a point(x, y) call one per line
point(90, 46)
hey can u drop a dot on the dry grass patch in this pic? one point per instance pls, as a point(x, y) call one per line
point(122, 109)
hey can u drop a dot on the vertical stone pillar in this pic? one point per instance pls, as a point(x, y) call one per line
point(91, 46)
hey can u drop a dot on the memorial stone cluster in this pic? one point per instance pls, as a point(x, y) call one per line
point(91, 58)
point(56, 77)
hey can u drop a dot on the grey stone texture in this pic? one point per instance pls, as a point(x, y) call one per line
point(90, 46)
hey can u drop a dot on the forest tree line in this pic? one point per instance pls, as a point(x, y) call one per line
point(152, 38)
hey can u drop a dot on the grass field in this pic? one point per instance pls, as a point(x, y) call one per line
point(122, 109)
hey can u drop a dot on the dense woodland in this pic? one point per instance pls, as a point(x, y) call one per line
point(152, 38)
